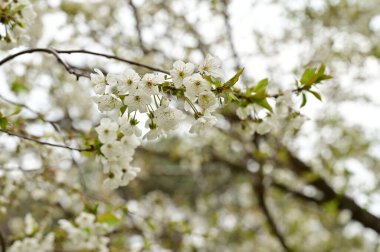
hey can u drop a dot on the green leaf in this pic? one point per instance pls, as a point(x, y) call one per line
point(309, 77)
point(316, 94)
point(321, 70)
point(261, 87)
point(17, 111)
point(264, 103)
point(212, 80)
point(304, 100)
point(3, 123)
point(233, 80)
point(108, 218)
point(17, 86)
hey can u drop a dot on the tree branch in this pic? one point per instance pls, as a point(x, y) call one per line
point(3, 242)
point(109, 56)
point(45, 143)
point(74, 70)
point(358, 213)
point(70, 69)
point(259, 188)
point(137, 25)
point(226, 18)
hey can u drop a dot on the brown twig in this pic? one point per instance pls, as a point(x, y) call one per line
point(70, 69)
point(227, 24)
point(45, 143)
point(259, 188)
point(109, 56)
point(137, 25)
point(3, 242)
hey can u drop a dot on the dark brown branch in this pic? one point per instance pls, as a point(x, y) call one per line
point(3, 242)
point(45, 143)
point(226, 18)
point(295, 193)
point(109, 56)
point(137, 25)
point(358, 213)
point(74, 70)
point(204, 48)
point(259, 188)
point(70, 69)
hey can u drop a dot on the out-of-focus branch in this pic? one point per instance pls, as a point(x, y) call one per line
point(295, 193)
point(204, 48)
point(259, 188)
point(3, 242)
point(45, 143)
point(138, 26)
point(38, 114)
point(359, 214)
point(227, 24)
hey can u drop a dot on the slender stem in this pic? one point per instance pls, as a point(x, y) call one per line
point(53, 52)
point(109, 56)
point(3, 242)
point(192, 106)
point(137, 25)
point(45, 143)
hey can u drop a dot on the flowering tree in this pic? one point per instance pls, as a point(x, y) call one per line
point(135, 127)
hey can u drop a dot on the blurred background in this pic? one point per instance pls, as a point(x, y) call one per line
point(310, 187)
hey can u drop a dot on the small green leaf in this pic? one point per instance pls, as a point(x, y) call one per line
point(261, 87)
point(321, 70)
point(108, 218)
point(17, 86)
point(304, 100)
point(212, 80)
point(233, 80)
point(316, 94)
point(309, 77)
point(17, 111)
point(3, 123)
point(264, 103)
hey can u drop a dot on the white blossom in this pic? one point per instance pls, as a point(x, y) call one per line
point(138, 101)
point(149, 83)
point(107, 130)
point(167, 118)
point(208, 101)
point(129, 126)
point(112, 150)
point(180, 71)
point(129, 81)
point(211, 66)
point(195, 84)
point(203, 123)
point(99, 81)
point(107, 102)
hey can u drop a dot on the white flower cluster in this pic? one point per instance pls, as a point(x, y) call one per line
point(16, 18)
point(86, 233)
point(34, 240)
point(128, 93)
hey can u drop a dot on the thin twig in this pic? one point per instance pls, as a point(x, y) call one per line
point(38, 114)
point(53, 52)
point(74, 70)
point(3, 242)
point(226, 18)
point(137, 25)
point(45, 143)
point(260, 193)
point(109, 56)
